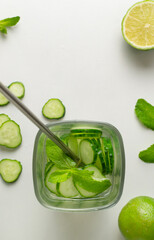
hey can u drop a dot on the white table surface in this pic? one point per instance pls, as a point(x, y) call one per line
point(73, 50)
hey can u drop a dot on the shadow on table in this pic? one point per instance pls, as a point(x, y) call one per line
point(139, 58)
point(84, 226)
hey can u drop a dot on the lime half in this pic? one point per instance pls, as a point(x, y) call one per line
point(138, 25)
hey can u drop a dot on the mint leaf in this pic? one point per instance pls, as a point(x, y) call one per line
point(57, 156)
point(147, 155)
point(60, 176)
point(9, 22)
point(145, 113)
point(86, 181)
point(3, 30)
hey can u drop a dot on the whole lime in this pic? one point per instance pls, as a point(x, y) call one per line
point(136, 219)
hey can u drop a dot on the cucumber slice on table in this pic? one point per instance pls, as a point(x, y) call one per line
point(87, 151)
point(52, 187)
point(10, 135)
point(10, 170)
point(67, 188)
point(3, 118)
point(53, 109)
point(3, 100)
point(18, 89)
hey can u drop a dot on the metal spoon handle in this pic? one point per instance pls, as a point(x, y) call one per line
point(6, 92)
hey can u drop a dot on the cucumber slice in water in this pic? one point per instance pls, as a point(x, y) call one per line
point(10, 135)
point(52, 187)
point(98, 164)
point(86, 130)
point(48, 167)
point(97, 173)
point(109, 155)
point(53, 109)
point(83, 192)
point(88, 133)
point(73, 144)
point(3, 118)
point(87, 152)
point(67, 188)
point(10, 170)
point(18, 89)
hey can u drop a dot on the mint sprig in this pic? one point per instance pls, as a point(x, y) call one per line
point(147, 155)
point(83, 178)
point(8, 22)
point(63, 174)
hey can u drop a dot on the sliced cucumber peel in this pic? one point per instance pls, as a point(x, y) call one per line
point(18, 89)
point(10, 170)
point(3, 100)
point(10, 134)
point(53, 109)
point(3, 118)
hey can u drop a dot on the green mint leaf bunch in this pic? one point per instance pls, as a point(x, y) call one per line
point(57, 156)
point(83, 178)
point(147, 155)
point(8, 22)
point(63, 174)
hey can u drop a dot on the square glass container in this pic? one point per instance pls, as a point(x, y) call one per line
point(105, 200)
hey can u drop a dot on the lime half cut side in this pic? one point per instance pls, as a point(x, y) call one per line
point(138, 25)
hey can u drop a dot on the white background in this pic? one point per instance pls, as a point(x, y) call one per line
point(73, 50)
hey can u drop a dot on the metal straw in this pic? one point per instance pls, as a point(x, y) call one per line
point(10, 96)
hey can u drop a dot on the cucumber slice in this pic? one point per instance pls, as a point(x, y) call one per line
point(97, 173)
point(98, 164)
point(48, 167)
point(10, 170)
point(88, 133)
point(3, 118)
point(73, 144)
point(53, 109)
point(86, 130)
point(101, 154)
point(87, 152)
point(10, 135)
point(67, 188)
point(109, 154)
point(3, 100)
point(52, 187)
point(18, 89)
point(84, 193)
point(90, 188)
